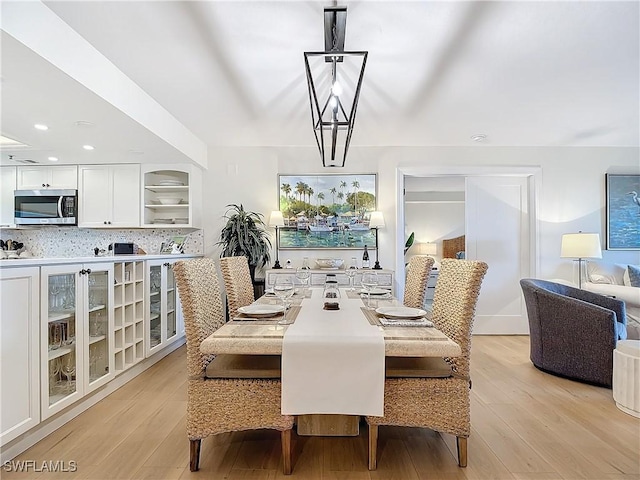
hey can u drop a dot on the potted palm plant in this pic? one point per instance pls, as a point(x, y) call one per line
point(245, 234)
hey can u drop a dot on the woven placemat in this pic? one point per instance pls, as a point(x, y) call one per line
point(374, 319)
point(353, 294)
point(298, 294)
point(271, 300)
point(292, 314)
point(372, 316)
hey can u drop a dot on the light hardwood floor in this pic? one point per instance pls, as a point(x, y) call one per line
point(526, 425)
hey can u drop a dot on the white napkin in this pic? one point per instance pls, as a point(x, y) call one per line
point(332, 361)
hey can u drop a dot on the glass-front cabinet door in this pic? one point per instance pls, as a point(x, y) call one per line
point(155, 306)
point(172, 301)
point(99, 328)
point(165, 315)
point(77, 335)
point(60, 334)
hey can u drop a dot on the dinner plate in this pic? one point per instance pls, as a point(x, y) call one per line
point(401, 312)
point(170, 183)
point(376, 291)
point(260, 310)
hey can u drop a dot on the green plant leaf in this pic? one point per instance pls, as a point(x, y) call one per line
point(409, 242)
point(245, 234)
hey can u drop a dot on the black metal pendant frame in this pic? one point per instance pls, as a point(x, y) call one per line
point(329, 119)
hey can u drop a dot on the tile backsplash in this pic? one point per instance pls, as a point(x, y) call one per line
point(80, 242)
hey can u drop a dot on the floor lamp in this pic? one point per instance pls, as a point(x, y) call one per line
point(276, 220)
point(580, 246)
point(376, 221)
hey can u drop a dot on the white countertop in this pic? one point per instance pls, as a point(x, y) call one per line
point(37, 262)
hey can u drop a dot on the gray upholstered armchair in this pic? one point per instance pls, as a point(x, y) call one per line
point(573, 332)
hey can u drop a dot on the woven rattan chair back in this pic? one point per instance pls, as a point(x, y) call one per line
point(237, 283)
point(219, 405)
point(415, 287)
point(202, 307)
point(454, 304)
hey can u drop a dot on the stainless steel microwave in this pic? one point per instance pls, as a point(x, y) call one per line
point(46, 207)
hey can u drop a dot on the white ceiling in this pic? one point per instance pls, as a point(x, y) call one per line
point(523, 73)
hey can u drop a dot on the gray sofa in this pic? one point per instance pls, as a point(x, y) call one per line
point(573, 332)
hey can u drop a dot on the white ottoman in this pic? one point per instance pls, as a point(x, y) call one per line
point(626, 376)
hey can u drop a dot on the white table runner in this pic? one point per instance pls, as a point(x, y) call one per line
point(332, 361)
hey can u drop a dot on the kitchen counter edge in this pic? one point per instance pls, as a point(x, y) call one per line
point(39, 262)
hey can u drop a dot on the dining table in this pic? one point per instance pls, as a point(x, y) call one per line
point(332, 360)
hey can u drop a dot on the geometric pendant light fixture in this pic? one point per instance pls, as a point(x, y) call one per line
point(334, 78)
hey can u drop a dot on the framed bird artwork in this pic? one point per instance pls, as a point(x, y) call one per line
point(623, 211)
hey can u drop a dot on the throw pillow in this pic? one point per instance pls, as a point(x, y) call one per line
point(596, 278)
point(634, 275)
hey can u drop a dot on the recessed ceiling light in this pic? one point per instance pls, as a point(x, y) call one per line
point(88, 147)
point(40, 126)
point(478, 137)
point(52, 159)
point(84, 123)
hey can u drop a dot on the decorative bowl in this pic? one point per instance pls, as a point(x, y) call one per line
point(169, 200)
point(329, 262)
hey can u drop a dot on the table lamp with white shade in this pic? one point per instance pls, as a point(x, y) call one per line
point(427, 248)
point(580, 246)
point(276, 220)
point(376, 221)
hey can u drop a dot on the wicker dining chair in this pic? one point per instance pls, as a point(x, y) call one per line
point(415, 287)
point(237, 283)
point(433, 395)
point(217, 401)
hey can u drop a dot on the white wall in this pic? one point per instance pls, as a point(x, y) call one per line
point(433, 222)
point(571, 196)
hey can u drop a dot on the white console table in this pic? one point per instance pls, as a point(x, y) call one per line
point(318, 276)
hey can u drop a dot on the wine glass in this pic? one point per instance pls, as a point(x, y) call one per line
point(283, 288)
point(55, 336)
point(369, 282)
point(96, 325)
point(69, 370)
point(54, 294)
point(303, 275)
point(54, 371)
point(92, 362)
point(351, 273)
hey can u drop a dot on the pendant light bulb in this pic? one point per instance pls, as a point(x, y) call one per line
point(336, 89)
point(333, 102)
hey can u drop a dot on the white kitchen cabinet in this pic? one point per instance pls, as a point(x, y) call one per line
point(76, 332)
point(38, 177)
point(109, 196)
point(165, 323)
point(171, 196)
point(8, 176)
point(19, 351)
point(129, 314)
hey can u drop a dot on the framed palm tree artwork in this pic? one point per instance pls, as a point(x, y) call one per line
point(623, 212)
point(327, 211)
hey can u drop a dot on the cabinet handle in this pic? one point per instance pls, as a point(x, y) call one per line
point(83, 271)
point(43, 185)
point(88, 270)
point(48, 185)
point(105, 222)
point(166, 264)
point(109, 223)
